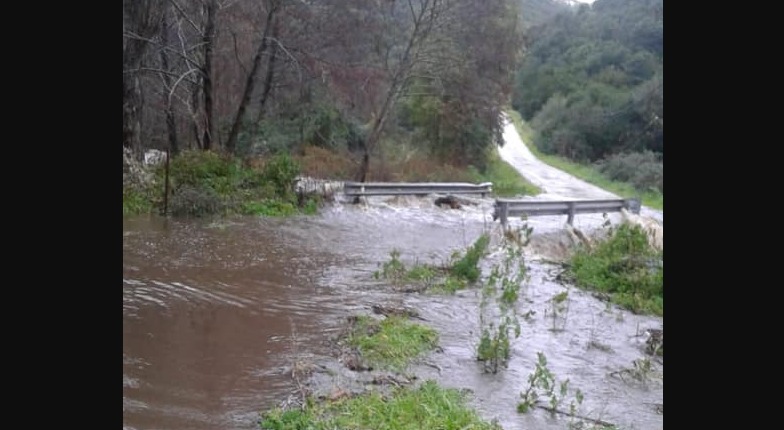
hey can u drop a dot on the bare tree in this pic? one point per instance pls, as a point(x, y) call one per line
point(141, 22)
point(390, 40)
point(209, 41)
point(166, 77)
point(270, 26)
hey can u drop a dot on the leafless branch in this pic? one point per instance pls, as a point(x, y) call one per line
point(237, 55)
point(185, 15)
point(177, 82)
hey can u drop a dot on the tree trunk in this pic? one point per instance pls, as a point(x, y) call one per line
point(401, 73)
point(171, 124)
point(141, 21)
point(195, 104)
point(231, 143)
point(270, 74)
point(209, 39)
point(365, 166)
point(131, 139)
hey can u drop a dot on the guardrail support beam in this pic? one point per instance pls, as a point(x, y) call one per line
point(570, 219)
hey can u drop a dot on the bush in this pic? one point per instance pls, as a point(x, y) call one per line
point(281, 171)
point(195, 201)
point(626, 267)
point(205, 182)
point(467, 267)
point(198, 168)
point(644, 170)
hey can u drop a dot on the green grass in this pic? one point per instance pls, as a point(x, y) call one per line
point(626, 267)
point(467, 266)
point(585, 172)
point(391, 343)
point(463, 269)
point(507, 181)
point(426, 407)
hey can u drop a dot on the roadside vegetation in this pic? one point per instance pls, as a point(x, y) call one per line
point(625, 268)
point(206, 183)
point(507, 181)
point(591, 87)
point(428, 406)
point(595, 174)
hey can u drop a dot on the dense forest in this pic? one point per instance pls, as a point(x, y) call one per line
point(258, 77)
point(591, 86)
point(365, 89)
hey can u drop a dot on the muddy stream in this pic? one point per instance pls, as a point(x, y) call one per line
point(215, 312)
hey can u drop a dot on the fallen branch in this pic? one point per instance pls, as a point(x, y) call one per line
point(433, 365)
point(558, 411)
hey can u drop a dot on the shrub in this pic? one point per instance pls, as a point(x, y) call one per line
point(644, 170)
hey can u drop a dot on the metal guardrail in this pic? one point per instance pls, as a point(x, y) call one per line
point(361, 189)
point(504, 208)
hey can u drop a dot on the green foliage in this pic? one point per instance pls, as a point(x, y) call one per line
point(586, 172)
point(543, 384)
point(281, 171)
point(502, 288)
point(462, 270)
point(467, 267)
point(136, 202)
point(190, 200)
point(591, 82)
point(626, 267)
point(393, 342)
point(644, 170)
point(205, 183)
point(394, 269)
point(199, 169)
point(426, 407)
point(641, 372)
point(311, 205)
point(559, 309)
point(507, 181)
point(450, 285)
point(268, 207)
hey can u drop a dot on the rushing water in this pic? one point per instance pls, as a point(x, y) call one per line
point(215, 313)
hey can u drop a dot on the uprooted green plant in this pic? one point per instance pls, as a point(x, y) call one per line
point(503, 288)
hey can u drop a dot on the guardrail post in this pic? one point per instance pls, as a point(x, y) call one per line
point(504, 213)
point(570, 220)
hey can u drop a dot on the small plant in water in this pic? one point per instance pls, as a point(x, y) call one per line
point(461, 270)
point(642, 371)
point(559, 310)
point(502, 288)
point(543, 384)
point(393, 270)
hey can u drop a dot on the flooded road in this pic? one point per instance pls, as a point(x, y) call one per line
point(555, 184)
point(216, 312)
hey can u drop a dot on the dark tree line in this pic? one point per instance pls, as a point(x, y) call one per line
point(592, 81)
point(260, 76)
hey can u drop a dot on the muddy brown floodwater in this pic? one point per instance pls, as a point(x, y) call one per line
point(216, 311)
